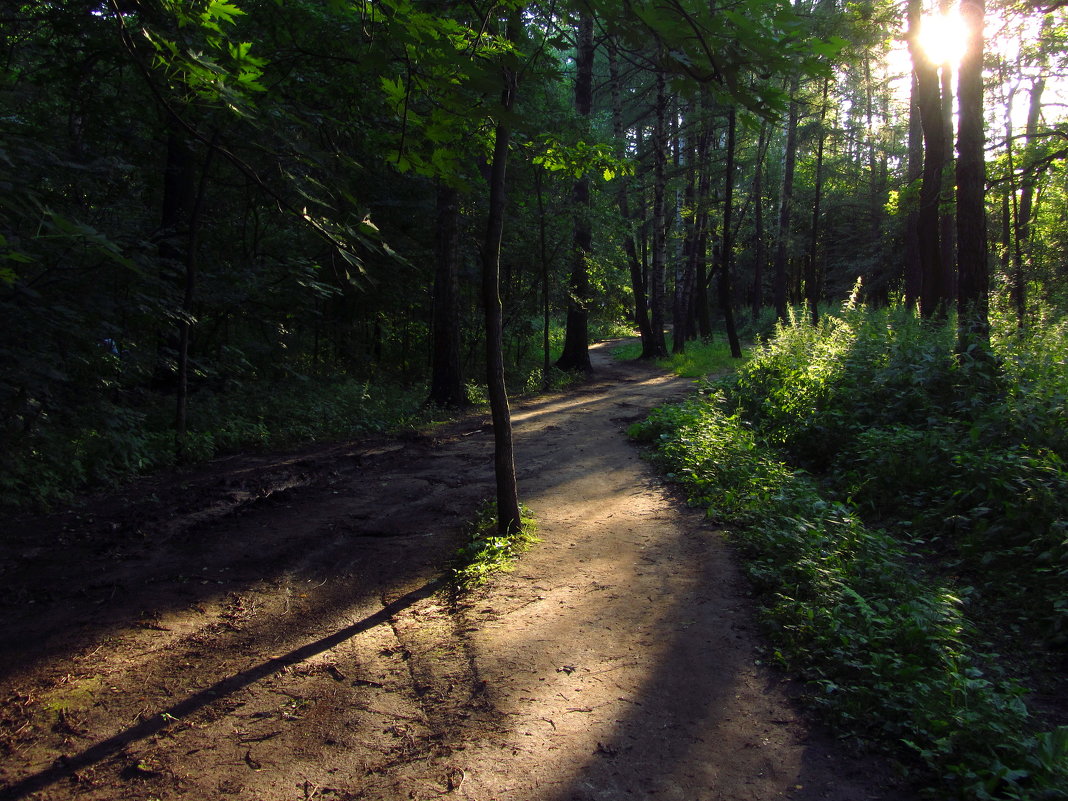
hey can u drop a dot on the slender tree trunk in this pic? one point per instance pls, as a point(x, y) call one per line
point(786, 202)
point(913, 267)
point(946, 225)
point(543, 250)
point(446, 384)
point(576, 354)
point(759, 245)
point(683, 306)
point(726, 303)
point(699, 271)
point(932, 293)
point(972, 271)
point(508, 517)
point(1022, 233)
point(657, 346)
point(637, 276)
point(811, 283)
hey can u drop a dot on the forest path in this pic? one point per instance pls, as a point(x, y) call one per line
point(269, 629)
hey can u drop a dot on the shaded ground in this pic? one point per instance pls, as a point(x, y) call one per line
point(268, 628)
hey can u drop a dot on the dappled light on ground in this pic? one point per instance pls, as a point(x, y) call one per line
point(295, 646)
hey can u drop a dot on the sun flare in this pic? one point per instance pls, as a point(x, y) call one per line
point(943, 38)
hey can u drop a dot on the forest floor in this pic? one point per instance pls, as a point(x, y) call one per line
point(270, 628)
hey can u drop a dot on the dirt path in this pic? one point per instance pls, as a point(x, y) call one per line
point(268, 630)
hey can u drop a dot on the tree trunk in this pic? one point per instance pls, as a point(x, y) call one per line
point(932, 291)
point(446, 385)
point(759, 247)
point(1022, 233)
point(508, 518)
point(972, 271)
point(811, 285)
point(913, 267)
point(637, 275)
point(725, 302)
point(657, 346)
point(576, 354)
point(786, 201)
point(947, 232)
point(682, 309)
point(543, 250)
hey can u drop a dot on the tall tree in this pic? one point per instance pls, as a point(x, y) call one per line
point(630, 250)
point(726, 301)
point(928, 101)
point(811, 269)
point(913, 176)
point(786, 201)
point(972, 269)
point(576, 355)
point(657, 347)
point(508, 515)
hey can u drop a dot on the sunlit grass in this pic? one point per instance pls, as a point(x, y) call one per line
point(700, 359)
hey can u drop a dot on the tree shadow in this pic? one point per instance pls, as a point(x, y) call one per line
point(155, 724)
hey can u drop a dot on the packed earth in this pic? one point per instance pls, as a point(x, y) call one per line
point(273, 627)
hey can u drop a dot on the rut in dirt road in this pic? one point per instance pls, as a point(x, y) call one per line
point(297, 649)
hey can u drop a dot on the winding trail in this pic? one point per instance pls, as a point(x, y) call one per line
point(281, 637)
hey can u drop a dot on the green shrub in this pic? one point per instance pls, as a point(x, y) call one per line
point(934, 506)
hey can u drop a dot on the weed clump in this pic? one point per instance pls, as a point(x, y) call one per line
point(486, 551)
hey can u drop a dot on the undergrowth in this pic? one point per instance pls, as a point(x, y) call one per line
point(903, 515)
point(129, 431)
point(115, 440)
point(701, 358)
point(486, 551)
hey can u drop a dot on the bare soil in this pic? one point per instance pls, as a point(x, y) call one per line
point(271, 628)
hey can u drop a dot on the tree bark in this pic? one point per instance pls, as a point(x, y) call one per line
point(972, 270)
point(759, 246)
point(947, 232)
point(576, 354)
point(913, 266)
point(508, 517)
point(811, 284)
point(932, 290)
point(637, 274)
point(657, 345)
point(725, 301)
point(1022, 231)
point(786, 201)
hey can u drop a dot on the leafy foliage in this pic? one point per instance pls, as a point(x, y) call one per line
point(936, 519)
point(487, 552)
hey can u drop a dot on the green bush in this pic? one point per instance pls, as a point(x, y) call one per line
point(933, 509)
